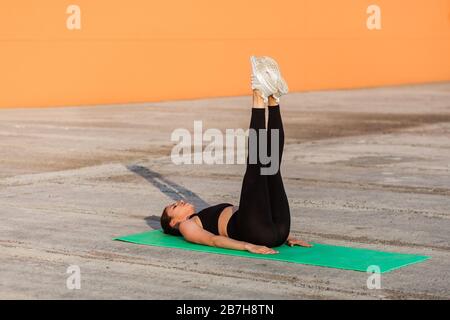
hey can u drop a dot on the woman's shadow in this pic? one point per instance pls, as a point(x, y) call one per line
point(169, 188)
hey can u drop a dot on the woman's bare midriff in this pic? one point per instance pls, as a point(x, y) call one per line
point(224, 217)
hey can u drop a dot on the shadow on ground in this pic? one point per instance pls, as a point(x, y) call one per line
point(171, 189)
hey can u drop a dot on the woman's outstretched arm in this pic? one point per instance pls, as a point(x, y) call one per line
point(193, 233)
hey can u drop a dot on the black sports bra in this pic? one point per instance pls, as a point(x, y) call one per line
point(210, 217)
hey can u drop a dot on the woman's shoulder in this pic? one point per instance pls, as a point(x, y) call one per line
point(194, 218)
point(187, 224)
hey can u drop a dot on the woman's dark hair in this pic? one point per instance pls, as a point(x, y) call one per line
point(165, 224)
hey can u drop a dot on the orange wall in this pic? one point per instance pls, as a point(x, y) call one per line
point(140, 50)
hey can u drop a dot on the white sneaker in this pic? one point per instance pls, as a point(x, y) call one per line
point(266, 77)
point(279, 82)
point(261, 78)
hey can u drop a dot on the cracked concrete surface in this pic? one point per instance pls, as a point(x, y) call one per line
point(363, 168)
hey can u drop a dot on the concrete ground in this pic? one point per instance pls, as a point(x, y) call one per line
point(363, 168)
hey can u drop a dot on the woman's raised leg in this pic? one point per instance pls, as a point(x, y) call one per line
point(279, 203)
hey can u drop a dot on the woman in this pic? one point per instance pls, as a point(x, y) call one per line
point(262, 220)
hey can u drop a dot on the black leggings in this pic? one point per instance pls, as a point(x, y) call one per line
point(263, 217)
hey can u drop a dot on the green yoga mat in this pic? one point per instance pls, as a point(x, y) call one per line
point(323, 255)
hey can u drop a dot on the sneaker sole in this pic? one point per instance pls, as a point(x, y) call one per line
point(258, 74)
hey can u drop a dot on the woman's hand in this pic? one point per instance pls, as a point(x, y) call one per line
point(259, 249)
point(292, 242)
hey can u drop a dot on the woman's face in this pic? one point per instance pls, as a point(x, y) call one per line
point(179, 211)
